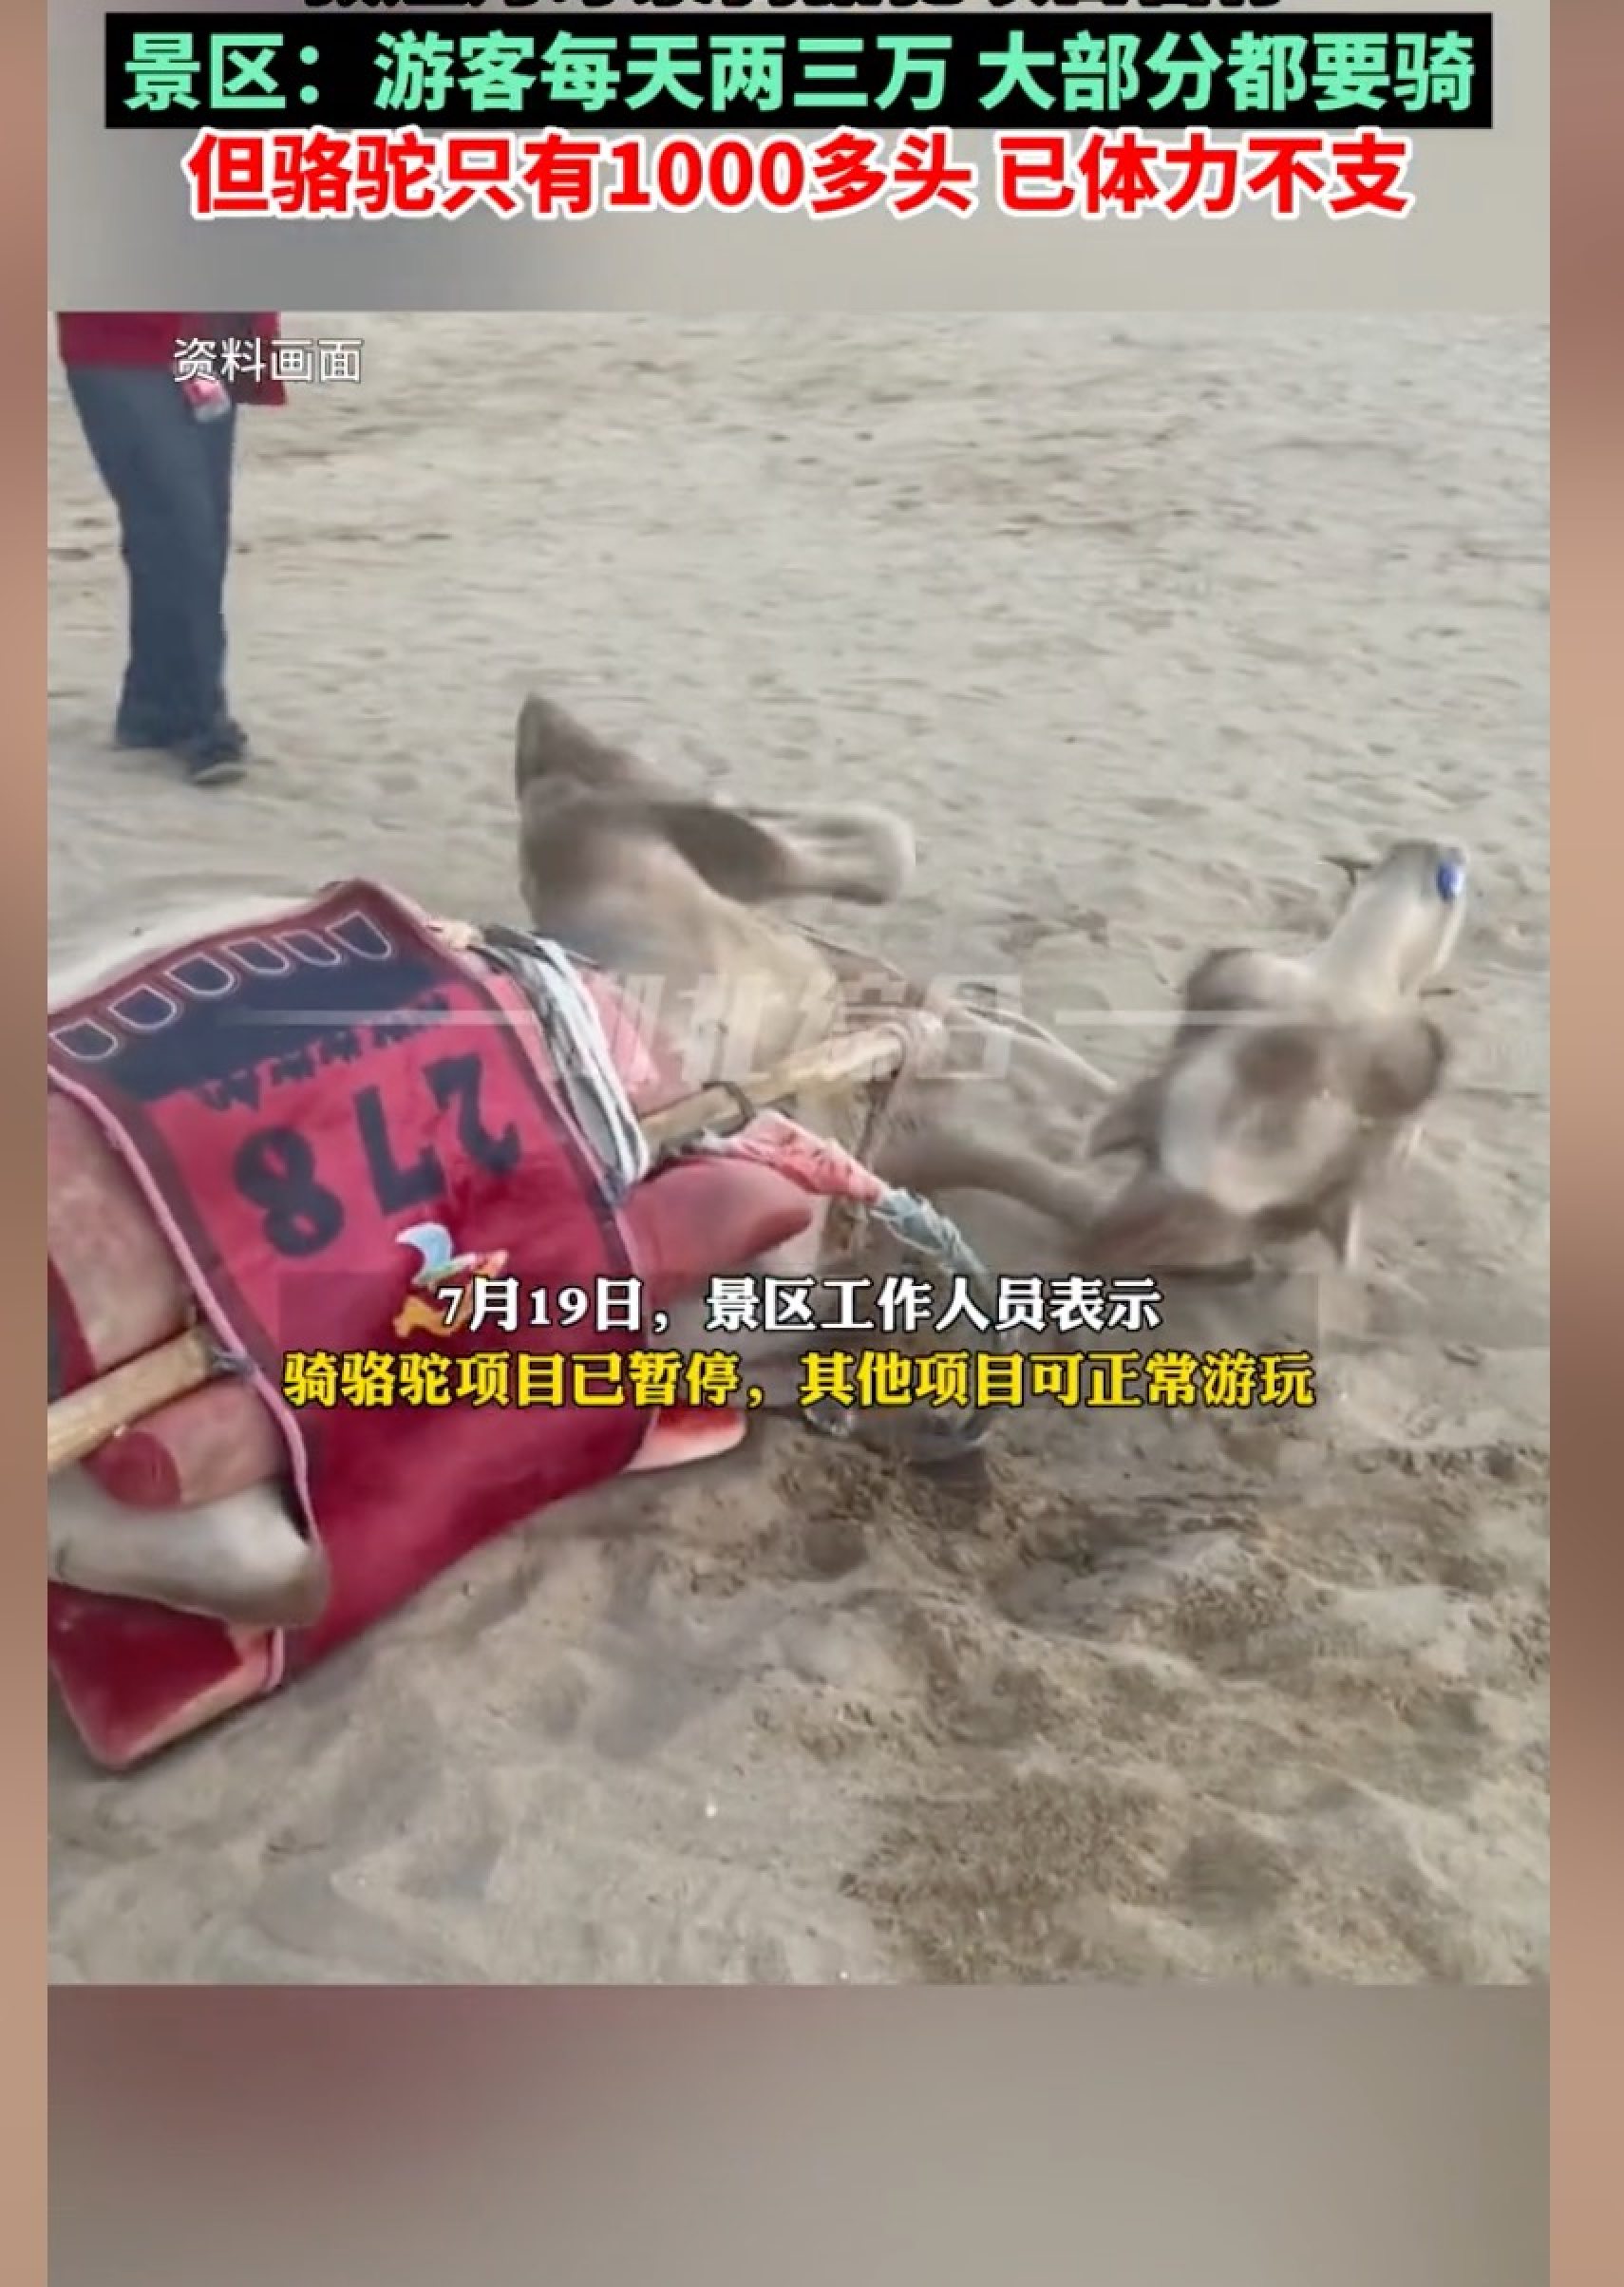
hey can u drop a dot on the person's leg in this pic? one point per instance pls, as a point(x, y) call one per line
point(218, 439)
point(162, 469)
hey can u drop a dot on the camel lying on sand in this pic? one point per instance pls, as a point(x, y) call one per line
point(1290, 1086)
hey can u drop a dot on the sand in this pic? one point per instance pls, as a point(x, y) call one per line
point(1137, 619)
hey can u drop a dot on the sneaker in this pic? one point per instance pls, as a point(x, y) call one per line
point(215, 758)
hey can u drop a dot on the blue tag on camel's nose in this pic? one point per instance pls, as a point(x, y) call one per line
point(1452, 879)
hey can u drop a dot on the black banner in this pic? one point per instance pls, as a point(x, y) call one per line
point(587, 71)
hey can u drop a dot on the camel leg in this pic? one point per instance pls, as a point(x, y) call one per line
point(938, 1159)
point(550, 744)
point(862, 854)
point(1342, 1223)
point(240, 1559)
point(858, 853)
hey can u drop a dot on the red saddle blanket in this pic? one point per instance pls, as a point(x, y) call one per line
point(332, 1118)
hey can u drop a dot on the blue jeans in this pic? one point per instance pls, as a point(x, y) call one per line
point(169, 475)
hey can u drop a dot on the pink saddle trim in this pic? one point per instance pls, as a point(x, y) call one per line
point(680, 1434)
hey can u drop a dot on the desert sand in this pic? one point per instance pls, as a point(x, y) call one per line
point(1137, 619)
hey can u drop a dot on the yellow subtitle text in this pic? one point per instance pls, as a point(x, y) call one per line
point(1224, 1380)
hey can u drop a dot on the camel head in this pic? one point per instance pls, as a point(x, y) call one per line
point(1398, 929)
point(1291, 1081)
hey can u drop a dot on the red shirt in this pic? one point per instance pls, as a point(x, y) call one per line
point(147, 337)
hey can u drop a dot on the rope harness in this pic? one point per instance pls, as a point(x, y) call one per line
point(548, 979)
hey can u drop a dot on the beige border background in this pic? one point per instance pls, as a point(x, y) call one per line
point(611, 2097)
point(1162, 2137)
point(1587, 513)
point(22, 1168)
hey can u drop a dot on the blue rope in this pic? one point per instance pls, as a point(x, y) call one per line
point(924, 1228)
point(918, 1224)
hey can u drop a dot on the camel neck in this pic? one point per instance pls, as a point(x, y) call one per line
point(1363, 957)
